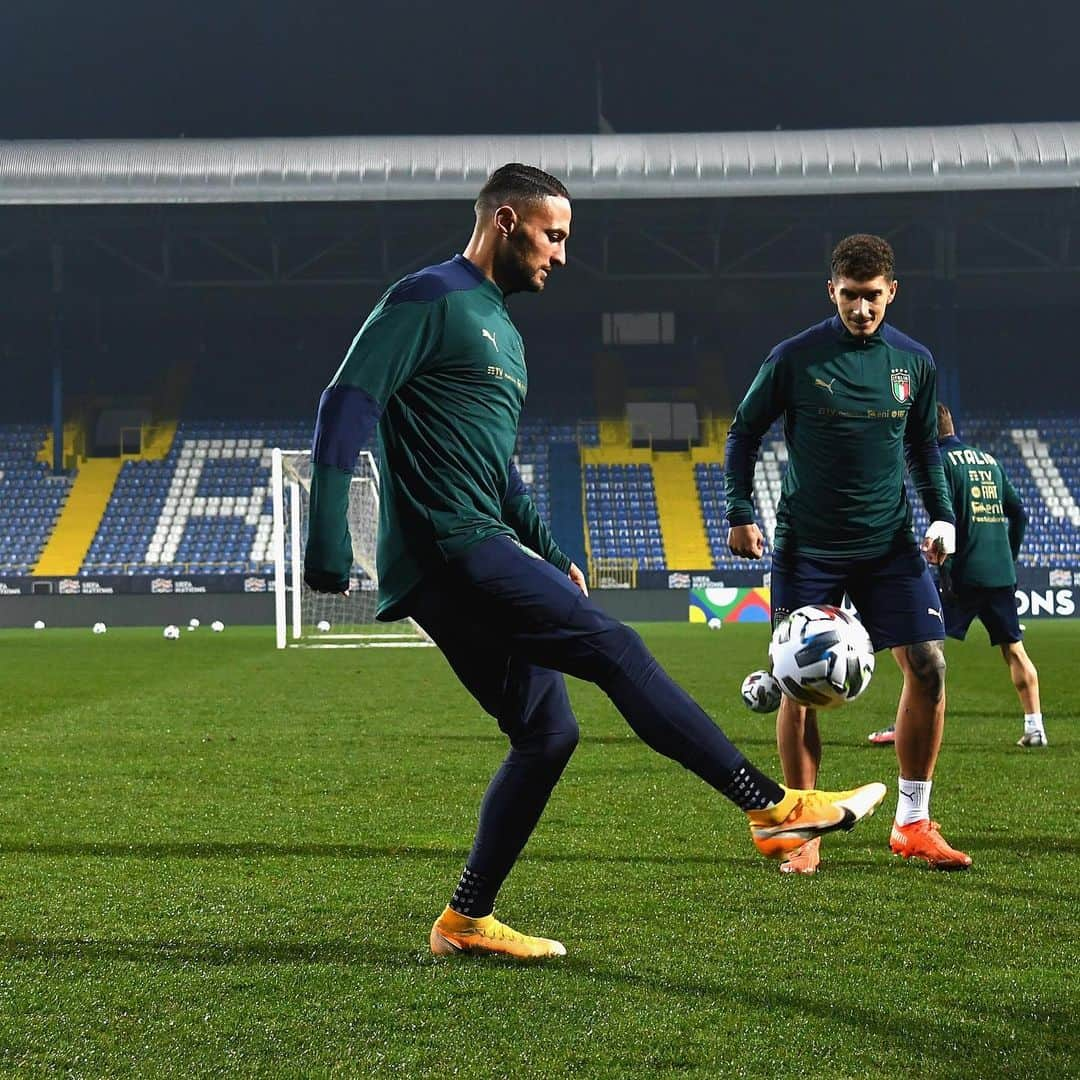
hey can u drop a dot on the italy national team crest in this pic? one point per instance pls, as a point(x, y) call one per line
point(901, 385)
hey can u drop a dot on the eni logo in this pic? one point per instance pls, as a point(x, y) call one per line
point(825, 385)
point(491, 337)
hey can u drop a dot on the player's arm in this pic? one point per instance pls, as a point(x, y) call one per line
point(763, 403)
point(391, 346)
point(924, 463)
point(520, 513)
point(1015, 514)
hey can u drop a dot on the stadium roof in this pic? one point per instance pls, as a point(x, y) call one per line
point(926, 159)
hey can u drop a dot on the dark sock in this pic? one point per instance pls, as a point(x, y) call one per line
point(750, 789)
point(474, 897)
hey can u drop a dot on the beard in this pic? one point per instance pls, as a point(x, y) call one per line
point(512, 269)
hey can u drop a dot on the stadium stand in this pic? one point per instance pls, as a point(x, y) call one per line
point(621, 514)
point(535, 439)
point(204, 507)
point(30, 499)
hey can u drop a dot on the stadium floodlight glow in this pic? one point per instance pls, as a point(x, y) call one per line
point(300, 612)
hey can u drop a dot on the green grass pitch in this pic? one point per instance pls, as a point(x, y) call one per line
point(220, 860)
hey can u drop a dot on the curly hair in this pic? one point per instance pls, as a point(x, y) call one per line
point(862, 257)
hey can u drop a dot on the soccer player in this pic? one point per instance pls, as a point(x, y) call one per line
point(438, 369)
point(979, 581)
point(856, 395)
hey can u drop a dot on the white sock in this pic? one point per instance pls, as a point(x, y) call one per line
point(912, 800)
point(1033, 723)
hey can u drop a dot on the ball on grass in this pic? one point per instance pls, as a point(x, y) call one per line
point(322, 626)
point(99, 628)
point(761, 692)
point(171, 633)
point(39, 624)
point(217, 626)
point(715, 624)
point(194, 624)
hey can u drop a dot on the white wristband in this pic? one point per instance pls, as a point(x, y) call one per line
point(945, 531)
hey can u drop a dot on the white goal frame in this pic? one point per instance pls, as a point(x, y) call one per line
point(292, 621)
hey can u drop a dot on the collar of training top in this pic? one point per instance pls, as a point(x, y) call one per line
point(844, 334)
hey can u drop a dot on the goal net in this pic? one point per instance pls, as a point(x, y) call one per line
point(309, 619)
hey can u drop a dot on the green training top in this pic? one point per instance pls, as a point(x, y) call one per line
point(852, 407)
point(442, 367)
point(990, 519)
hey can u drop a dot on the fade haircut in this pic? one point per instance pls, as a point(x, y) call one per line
point(945, 425)
point(862, 257)
point(516, 183)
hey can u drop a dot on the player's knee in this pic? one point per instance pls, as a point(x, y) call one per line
point(623, 651)
point(561, 744)
point(553, 747)
point(926, 662)
point(607, 650)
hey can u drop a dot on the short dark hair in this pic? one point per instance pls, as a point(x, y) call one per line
point(945, 425)
point(517, 183)
point(862, 257)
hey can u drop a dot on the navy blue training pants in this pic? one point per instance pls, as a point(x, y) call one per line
point(509, 624)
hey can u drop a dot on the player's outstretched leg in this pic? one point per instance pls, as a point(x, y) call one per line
point(454, 935)
point(805, 815)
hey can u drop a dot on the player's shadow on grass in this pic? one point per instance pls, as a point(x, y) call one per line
point(987, 1038)
point(354, 951)
point(260, 849)
point(628, 739)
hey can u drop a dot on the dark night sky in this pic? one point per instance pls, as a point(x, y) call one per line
point(160, 68)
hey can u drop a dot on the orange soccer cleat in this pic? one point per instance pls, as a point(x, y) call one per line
point(884, 737)
point(923, 840)
point(802, 815)
point(454, 934)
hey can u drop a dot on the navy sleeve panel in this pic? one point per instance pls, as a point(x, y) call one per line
point(345, 423)
point(921, 450)
point(824, 331)
point(897, 339)
point(434, 282)
point(740, 457)
point(763, 403)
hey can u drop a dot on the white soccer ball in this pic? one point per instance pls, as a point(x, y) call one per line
point(171, 632)
point(761, 692)
point(194, 624)
point(322, 626)
point(821, 656)
point(217, 626)
point(39, 625)
point(99, 628)
point(715, 624)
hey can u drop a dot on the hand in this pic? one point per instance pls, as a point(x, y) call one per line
point(746, 541)
point(323, 582)
point(940, 542)
point(578, 578)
